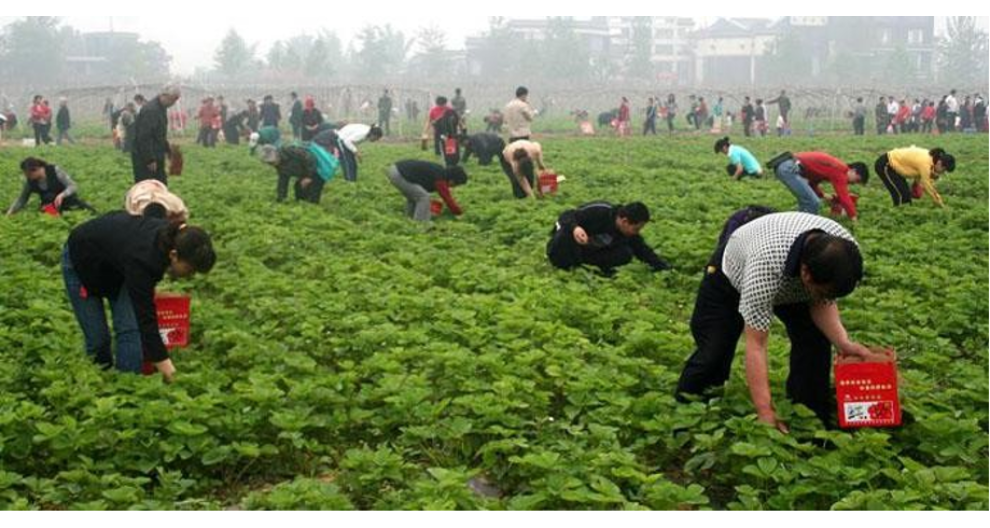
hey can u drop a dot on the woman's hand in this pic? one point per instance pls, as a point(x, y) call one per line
point(167, 370)
point(580, 236)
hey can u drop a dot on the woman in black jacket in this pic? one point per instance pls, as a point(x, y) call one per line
point(52, 184)
point(122, 258)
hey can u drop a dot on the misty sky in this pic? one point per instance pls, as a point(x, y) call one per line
point(192, 40)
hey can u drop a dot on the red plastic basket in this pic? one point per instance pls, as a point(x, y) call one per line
point(450, 146)
point(548, 183)
point(173, 319)
point(436, 207)
point(867, 395)
point(50, 210)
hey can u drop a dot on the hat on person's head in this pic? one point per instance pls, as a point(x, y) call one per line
point(253, 140)
point(268, 154)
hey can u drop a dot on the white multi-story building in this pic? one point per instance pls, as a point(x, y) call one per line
point(670, 44)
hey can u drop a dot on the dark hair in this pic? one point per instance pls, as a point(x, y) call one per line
point(456, 175)
point(139, 97)
point(636, 213)
point(192, 244)
point(30, 164)
point(293, 94)
point(521, 91)
point(267, 98)
point(527, 169)
point(730, 169)
point(375, 132)
point(833, 262)
point(457, 91)
point(862, 170)
point(721, 144)
point(948, 160)
point(441, 100)
point(520, 153)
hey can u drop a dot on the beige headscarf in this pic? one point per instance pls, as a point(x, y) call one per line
point(148, 192)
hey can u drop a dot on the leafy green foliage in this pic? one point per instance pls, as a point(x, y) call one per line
point(406, 362)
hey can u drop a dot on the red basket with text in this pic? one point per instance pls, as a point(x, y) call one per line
point(548, 183)
point(867, 395)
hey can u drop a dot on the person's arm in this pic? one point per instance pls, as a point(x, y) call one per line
point(141, 290)
point(929, 185)
point(739, 171)
point(589, 221)
point(841, 186)
point(527, 113)
point(538, 159)
point(817, 188)
point(757, 377)
point(826, 318)
point(523, 182)
point(66, 180)
point(645, 253)
point(443, 189)
point(517, 173)
point(21, 200)
point(756, 308)
point(349, 144)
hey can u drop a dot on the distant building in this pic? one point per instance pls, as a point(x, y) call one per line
point(610, 38)
point(736, 51)
point(671, 48)
point(732, 51)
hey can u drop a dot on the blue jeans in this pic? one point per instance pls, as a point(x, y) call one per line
point(789, 173)
point(93, 320)
point(348, 163)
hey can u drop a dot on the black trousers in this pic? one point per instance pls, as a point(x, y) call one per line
point(142, 173)
point(650, 127)
point(897, 185)
point(517, 189)
point(312, 192)
point(565, 253)
point(717, 326)
point(859, 126)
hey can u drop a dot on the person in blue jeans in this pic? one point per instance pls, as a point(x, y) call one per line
point(121, 258)
point(789, 173)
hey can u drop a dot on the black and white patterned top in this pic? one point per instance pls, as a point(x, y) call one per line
point(755, 262)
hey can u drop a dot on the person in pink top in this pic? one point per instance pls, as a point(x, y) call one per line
point(623, 119)
point(41, 120)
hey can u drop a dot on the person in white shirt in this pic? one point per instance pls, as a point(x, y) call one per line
point(348, 138)
point(952, 110)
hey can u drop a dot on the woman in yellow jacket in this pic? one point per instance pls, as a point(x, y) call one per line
point(922, 166)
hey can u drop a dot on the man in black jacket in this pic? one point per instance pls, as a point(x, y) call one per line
point(151, 137)
point(603, 235)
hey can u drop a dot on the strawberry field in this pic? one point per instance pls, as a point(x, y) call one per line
point(343, 357)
